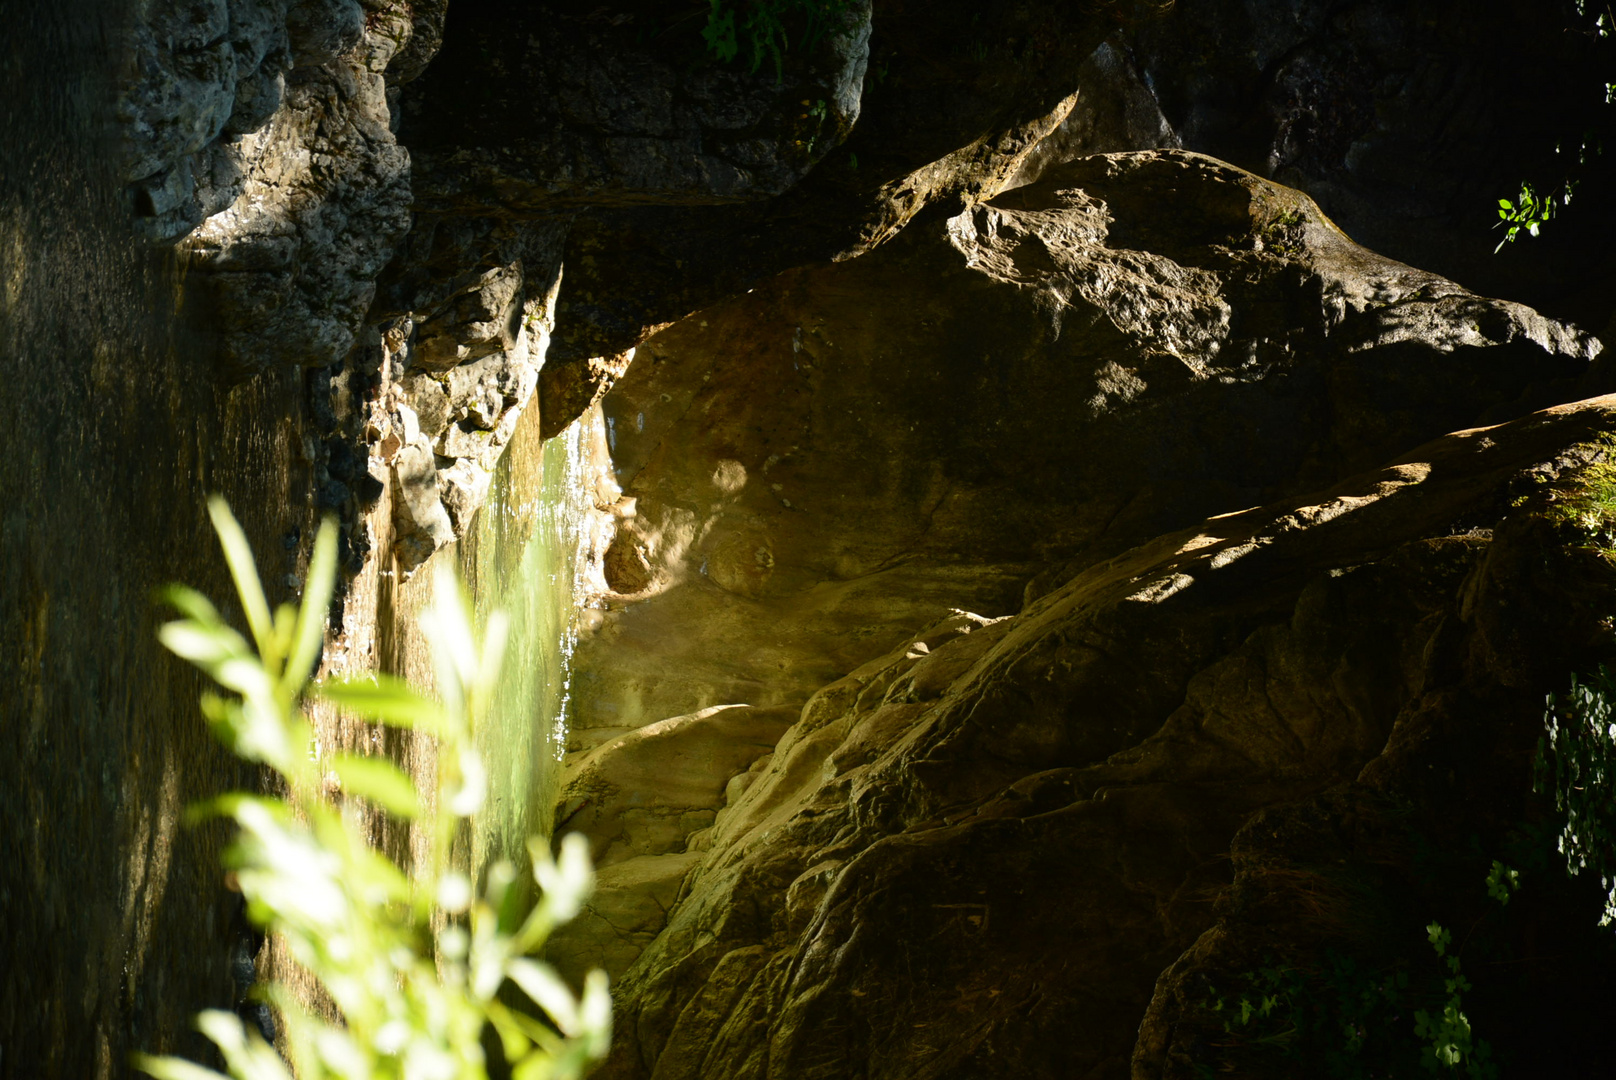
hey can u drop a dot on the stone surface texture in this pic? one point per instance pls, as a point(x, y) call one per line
point(534, 107)
point(1037, 430)
point(1405, 121)
point(257, 134)
point(976, 854)
point(1134, 343)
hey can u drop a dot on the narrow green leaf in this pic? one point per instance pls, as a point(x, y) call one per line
point(225, 1029)
point(595, 1014)
point(205, 646)
point(495, 637)
point(512, 1040)
point(378, 780)
point(238, 556)
point(190, 603)
point(243, 674)
point(447, 628)
point(540, 982)
point(173, 1068)
point(386, 698)
point(311, 617)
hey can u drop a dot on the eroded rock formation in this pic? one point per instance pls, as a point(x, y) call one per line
point(976, 854)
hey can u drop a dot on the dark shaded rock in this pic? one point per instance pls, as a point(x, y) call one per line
point(530, 108)
point(953, 97)
point(319, 31)
point(331, 495)
point(1356, 875)
point(1116, 111)
point(566, 391)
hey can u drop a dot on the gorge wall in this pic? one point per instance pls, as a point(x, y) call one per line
point(1071, 526)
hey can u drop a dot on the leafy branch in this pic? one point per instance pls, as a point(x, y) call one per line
point(1531, 210)
point(414, 963)
point(1576, 763)
point(1450, 1043)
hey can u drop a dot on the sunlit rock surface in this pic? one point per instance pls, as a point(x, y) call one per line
point(1405, 121)
point(1134, 343)
point(259, 132)
point(1016, 819)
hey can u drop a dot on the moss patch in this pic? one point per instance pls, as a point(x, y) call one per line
point(1588, 501)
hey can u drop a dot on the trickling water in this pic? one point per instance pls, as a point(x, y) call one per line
point(525, 554)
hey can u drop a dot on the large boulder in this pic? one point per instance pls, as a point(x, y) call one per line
point(1134, 343)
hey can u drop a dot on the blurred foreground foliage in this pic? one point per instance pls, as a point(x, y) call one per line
point(414, 962)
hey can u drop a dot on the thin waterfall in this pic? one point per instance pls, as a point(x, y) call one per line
point(527, 554)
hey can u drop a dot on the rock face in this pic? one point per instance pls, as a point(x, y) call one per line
point(261, 135)
point(975, 855)
point(1405, 121)
point(618, 107)
point(953, 96)
point(978, 853)
point(976, 688)
point(1134, 343)
point(259, 132)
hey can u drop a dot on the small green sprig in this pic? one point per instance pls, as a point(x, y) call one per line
point(1502, 881)
point(762, 25)
point(1530, 211)
point(1451, 1047)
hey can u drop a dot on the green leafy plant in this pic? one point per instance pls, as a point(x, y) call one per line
point(760, 28)
point(1530, 211)
point(1502, 881)
point(1338, 1017)
point(1590, 502)
point(1451, 1047)
point(1576, 764)
point(1579, 142)
point(413, 963)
